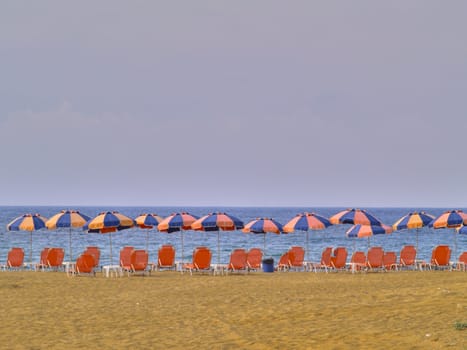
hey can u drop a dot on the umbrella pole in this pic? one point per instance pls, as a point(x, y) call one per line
point(71, 252)
point(147, 241)
point(218, 249)
point(416, 239)
point(307, 248)
point(181, 231)
point(110, 240)
point(30, 248)
point(264, 243)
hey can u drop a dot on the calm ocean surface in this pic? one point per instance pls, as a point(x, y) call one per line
point(275, 244)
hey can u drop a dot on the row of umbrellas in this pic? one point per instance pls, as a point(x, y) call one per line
point(364, 224)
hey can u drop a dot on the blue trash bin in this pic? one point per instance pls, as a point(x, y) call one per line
point(268, 265)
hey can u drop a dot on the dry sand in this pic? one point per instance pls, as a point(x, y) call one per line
point(395, 310)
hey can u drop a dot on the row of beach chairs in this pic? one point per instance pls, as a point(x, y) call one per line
point(133, 261)
point(335, 259)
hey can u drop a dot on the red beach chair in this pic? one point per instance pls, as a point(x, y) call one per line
point(339, 259)
point(238, 261)
point(166, 257)
point(253, 259)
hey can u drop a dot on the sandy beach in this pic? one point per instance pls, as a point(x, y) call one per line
point(399, 310)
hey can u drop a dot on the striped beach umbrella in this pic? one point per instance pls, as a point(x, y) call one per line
point(361, 231)
point(67, 219)
point(217, 222)
point(108, 222)
point(28, 222)
point(148, 222)
point(306, 222)
point(354, 217)
point(414, 220)
point(450, 219)
point(177, 222)
point(263, 226)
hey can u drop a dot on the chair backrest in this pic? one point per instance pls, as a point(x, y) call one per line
point(340, 257)
point(125, 256)
point(408, 255)
point(55, 257)
point(441, 255)
point(15, 257)
point(375, 257)
point(358, 257)
point(463, 258)
point(95, 252)
point(202, 258)
point(43, 258)
point(166, 256)
point(389, 259)
point(139, 260)
point(284, 260)
point(326, 257)
point(297, 256)
point(85, 263)
point(254, 257)
point(238, 259)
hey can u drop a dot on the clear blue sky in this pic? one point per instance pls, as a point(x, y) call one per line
point(304, 103)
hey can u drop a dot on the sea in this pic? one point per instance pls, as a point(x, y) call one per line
point(224, 242)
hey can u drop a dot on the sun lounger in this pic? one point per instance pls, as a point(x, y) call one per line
point(238, 261)
point(358, 262)
point(297, 257)
point(96, 253)
point(139, 262)
point(339, 258)
point(42, 264)
point(85, 265)
point(440, 256)
point(15, 259)
point(253, 259)
point(461, 264)
point(55, 258)
point(201, 261)
point(284, 261)
point(390, 261)
point(125, 257)
point(407, 257)
point(325, 262)
point(165, 258)
point(374, 259)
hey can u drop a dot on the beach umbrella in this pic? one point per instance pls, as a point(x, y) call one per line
point(450, 219)
point(354, 217)
point(263, 226)
point(108, 222)
point(177, 222)
point(28, 222)
point(217, 222)
point(361, 231)
point(148, 222)
point(306, 222)
point(67, 219)
point(414, 220)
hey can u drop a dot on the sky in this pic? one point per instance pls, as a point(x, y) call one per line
point(245, 103)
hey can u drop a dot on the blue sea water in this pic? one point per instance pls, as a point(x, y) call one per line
point(275, 244)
